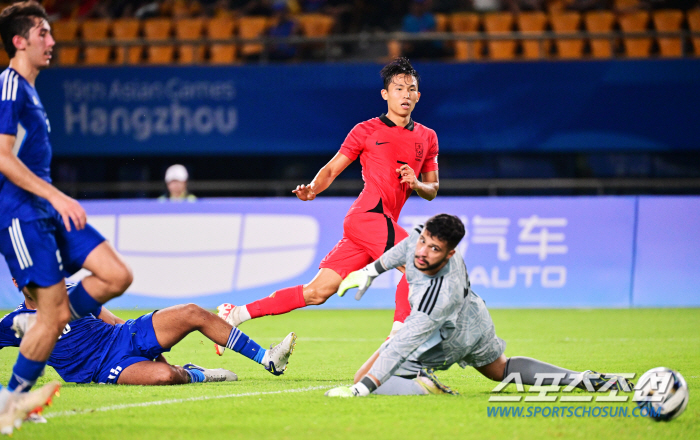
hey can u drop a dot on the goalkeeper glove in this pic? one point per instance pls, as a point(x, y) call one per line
point(361, 279)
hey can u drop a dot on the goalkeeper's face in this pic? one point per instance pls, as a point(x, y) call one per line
point(431, 254)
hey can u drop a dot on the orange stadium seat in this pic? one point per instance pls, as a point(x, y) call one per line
point(127, 29)
point(669, 20)
point(252, 27)
point(96, 30)
point(533, 23)
point(500, 23)
point(442, 22)
point(567, 22)
point(315, 25)
point(66, 31)
point(600, 21)
point(466, 23)
point(4, 59)
point(221, 28)
point(159, 29)
point(190, 29)
point(635, 47)
point(622, 5)
point(694, 25)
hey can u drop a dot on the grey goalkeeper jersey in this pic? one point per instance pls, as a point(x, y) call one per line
point(448, 322)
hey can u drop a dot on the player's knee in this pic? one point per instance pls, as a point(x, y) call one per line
point(121, 279)
point(317, 295)
point(194, 313)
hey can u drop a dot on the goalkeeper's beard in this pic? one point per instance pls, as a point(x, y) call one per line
point(429, 267)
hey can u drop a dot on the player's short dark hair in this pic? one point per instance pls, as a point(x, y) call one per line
point(19, 19)
point(399, 66)
point(447, 228)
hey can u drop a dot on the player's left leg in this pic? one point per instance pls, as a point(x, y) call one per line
point(162, 373)
point(528, 369)
point(172, 324)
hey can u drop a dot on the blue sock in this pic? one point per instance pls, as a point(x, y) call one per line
point(81, 303)
point(241, 343)
point(25, 373)
point(195, 375)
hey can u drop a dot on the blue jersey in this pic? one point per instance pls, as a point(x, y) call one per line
point(22, 115)
point(78, 353)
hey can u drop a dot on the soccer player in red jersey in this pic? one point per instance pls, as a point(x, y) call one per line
point(392, 149)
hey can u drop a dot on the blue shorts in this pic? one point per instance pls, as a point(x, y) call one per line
point(43, 252)
point(135, 342)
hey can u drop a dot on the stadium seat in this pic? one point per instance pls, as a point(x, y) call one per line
point(315, 25)
point(635, 47)
point(251, 27)
point(64, 31)
point(127, 29)
point(694, 25)
point(221, 28)
point(669, 20)
point(622, 5)
point(96, 30)
point(600, 21)
point(500, 23)
point(533, 23)
point(4, 59)
point(189, 29)
point(159, 29)
point(442, 22)
point(567, 22)
point(466, 23)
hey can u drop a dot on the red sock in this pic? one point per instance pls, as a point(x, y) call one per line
point(281, 301)
point(403, 308)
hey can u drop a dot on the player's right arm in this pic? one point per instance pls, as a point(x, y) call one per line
point(324, 178)
point(18, 173)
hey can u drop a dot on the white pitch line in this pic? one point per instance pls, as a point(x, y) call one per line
point(173, 401)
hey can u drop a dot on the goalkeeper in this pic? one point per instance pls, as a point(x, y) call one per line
point(448, 324)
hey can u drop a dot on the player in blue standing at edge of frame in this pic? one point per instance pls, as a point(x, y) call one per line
point(44, 234)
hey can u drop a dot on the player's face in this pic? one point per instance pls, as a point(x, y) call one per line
point(177, 188)
point(402, 95)
point(431, 253)
point(40, 44)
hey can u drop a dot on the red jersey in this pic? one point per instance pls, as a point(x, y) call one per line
point(383, 147)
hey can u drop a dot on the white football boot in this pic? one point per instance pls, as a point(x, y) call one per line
point(22, 322)
point(19, 406)
point(213, 375)
point(276, 358)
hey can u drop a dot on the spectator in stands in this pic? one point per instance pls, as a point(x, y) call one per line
point(488, 5)
point(589, 5)
point(284, 27)
point(176, 179)
point(420, 19)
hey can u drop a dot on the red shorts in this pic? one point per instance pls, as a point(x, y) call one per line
point(366, 236)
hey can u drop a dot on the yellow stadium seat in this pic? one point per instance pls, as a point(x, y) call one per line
point(694, 24)
point(466, 23)
point(127, 29)
point(159, 29)
point(190, 29)
point(533, 23)
point(600, 21)
point(64, 31)
point(635, 47)
point(669, 20)
point(252, 27)
point(499, 23)
point(221, 28)
point(567, 23)
point(96, 30)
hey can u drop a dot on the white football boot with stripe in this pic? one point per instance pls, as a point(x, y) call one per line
point(213, 374)
point(276, 358)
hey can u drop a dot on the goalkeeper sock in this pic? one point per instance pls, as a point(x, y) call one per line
point(241, 343)
point(281, 301)
point(403, 307)
point(528, 367)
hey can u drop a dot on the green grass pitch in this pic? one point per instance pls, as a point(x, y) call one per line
point(332, 344)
